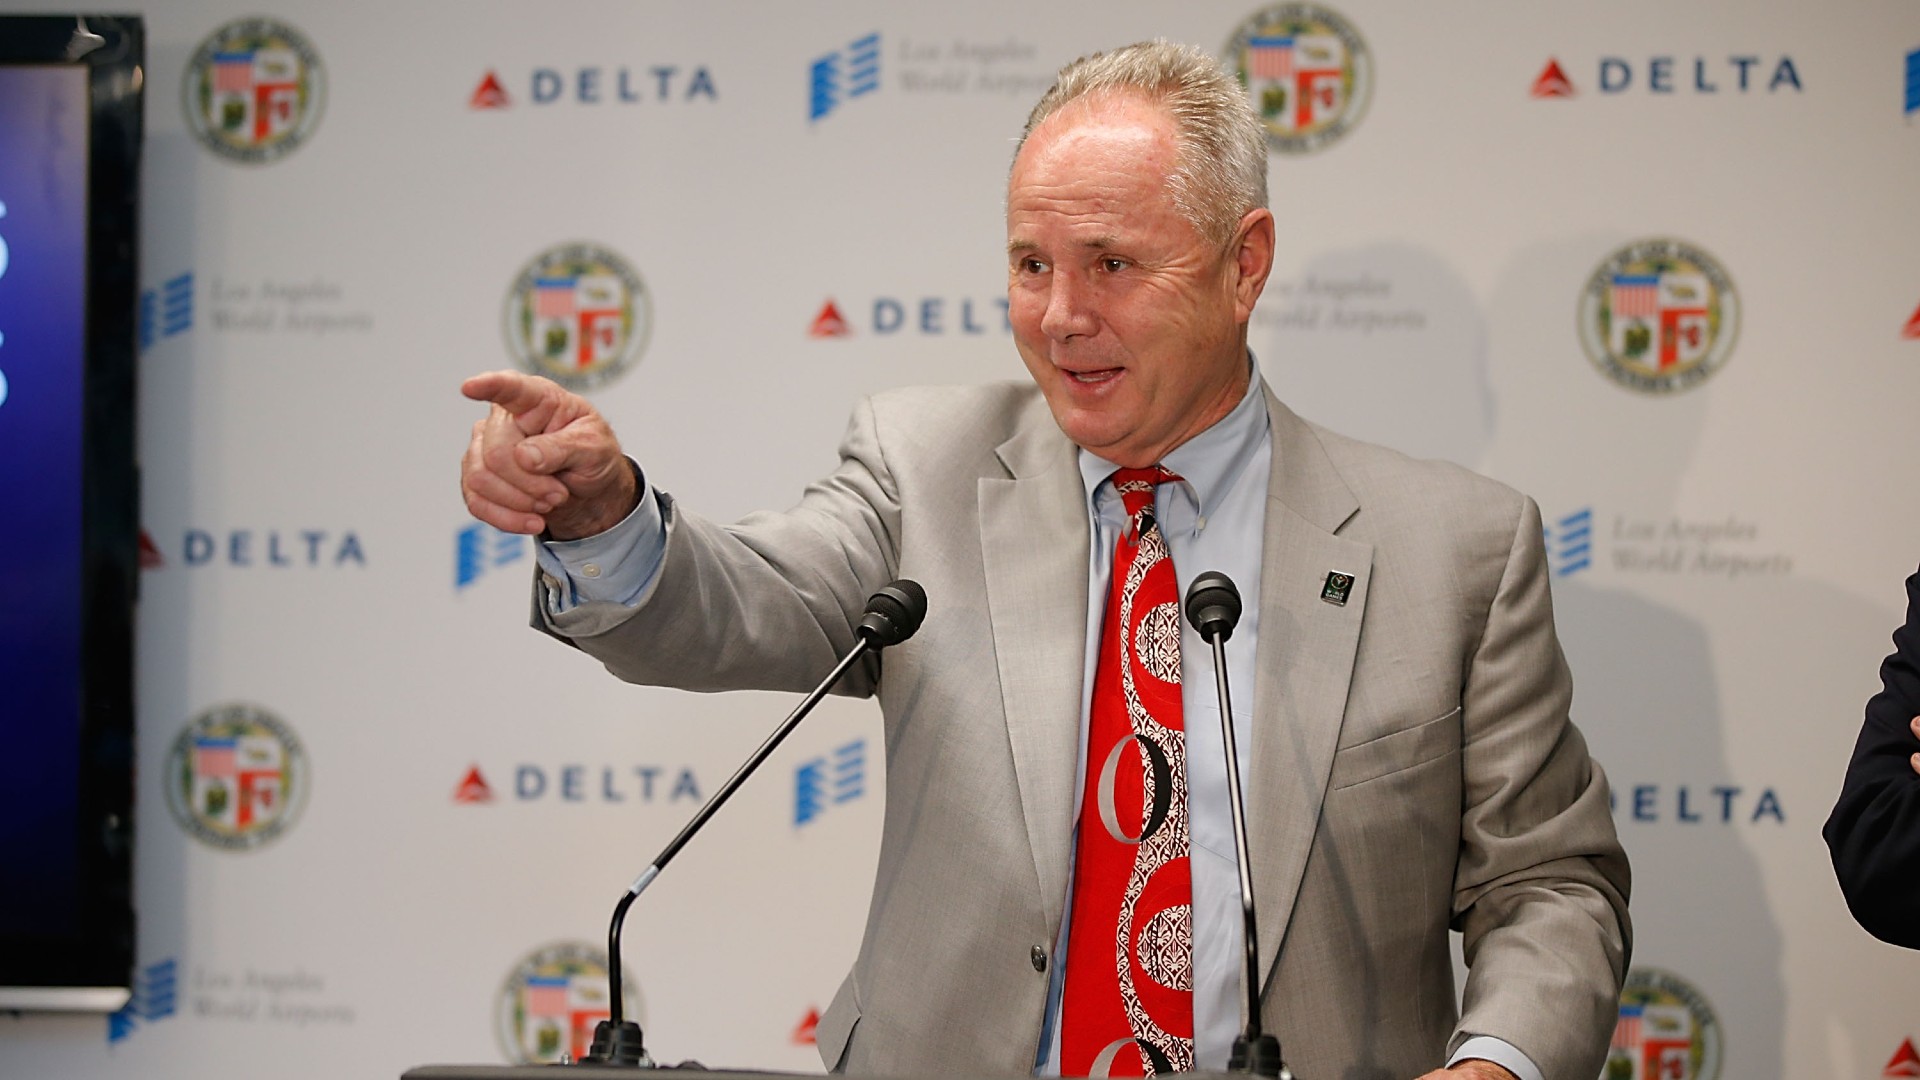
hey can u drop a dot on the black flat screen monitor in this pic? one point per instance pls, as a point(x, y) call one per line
point(70, 135)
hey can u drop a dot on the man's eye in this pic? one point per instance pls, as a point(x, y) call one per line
point(1112, 266)
point(1033, 266)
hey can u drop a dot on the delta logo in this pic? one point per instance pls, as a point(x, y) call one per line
point(473, 788)
point(640, 84)
point(1616, 75)
point(247, 548)
point(927, 316)
point(1911, 331)
point(1905, 1062)
point(805, 1032)
point(580, 783)
point(1552, 82)
point(1694, 804)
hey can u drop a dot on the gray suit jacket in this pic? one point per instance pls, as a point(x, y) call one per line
point(1412, 765)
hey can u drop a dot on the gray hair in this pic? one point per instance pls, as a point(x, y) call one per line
point(1220, 169)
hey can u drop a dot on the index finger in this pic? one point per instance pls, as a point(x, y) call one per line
point(511, 390)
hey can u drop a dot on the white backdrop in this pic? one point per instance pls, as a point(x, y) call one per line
point(410, 851)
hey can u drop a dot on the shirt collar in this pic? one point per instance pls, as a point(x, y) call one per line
point(1209, 462)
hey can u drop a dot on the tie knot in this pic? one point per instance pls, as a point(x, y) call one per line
point(1135, 486)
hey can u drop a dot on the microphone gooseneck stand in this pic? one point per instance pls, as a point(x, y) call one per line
point(1213, 607)
point(891, 616)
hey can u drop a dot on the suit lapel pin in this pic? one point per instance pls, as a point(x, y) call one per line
point(1338, 587)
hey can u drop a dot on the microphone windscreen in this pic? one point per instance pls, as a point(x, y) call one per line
point(1213, 604)
point(894, 613)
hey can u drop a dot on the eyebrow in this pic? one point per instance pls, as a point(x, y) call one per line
point(1097, 243)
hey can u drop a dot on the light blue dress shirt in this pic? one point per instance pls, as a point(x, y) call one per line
point(1213, 519)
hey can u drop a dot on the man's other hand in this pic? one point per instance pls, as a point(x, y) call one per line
point(543, 460)
point(1471, 1069)
point(1915, 759)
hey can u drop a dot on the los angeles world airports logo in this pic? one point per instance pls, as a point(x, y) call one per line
point(254, 90)
point(550, 1002)
point(1308, 71)
point(236, 777)
point(579, 314)
point(1659, 316)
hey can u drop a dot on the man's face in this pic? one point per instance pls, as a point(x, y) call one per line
point(1132, 324)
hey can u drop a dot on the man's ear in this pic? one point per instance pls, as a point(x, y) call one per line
point(1252, 255)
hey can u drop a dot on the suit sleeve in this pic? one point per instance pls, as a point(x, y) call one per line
point(768, 603)
point(1874, 832)
point(1540, 893)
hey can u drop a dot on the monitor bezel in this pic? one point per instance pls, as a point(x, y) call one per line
point(91, 969)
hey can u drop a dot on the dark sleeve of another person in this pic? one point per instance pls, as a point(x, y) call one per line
point(1874, 833)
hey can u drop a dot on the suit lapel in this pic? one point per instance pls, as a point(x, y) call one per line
point(1034, 536)
point(1304, 665)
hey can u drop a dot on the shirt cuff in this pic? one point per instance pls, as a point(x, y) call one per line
point(1500, 1052)
point(616, 565)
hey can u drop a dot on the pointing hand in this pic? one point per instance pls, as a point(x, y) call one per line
point(543, 459)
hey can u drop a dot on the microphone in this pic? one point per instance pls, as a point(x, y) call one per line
point(894, 613)
point(1213, 605)
point(891, 617)
point(1213, 608)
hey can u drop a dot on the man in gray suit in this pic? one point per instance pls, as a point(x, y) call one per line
point(1411, 764)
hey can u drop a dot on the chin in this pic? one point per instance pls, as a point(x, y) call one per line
point(1099, 438)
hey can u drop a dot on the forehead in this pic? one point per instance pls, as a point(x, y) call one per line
point(1088, 124)
point(1095, 156)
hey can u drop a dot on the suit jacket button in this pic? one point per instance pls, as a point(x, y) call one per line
point(1039, 958)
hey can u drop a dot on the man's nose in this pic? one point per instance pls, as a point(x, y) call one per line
point(1070, 310)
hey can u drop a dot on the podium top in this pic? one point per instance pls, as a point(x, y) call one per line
point(569, 1071)
point(603, 1071)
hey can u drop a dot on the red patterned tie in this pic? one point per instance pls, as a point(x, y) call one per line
point(1127, 1009)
